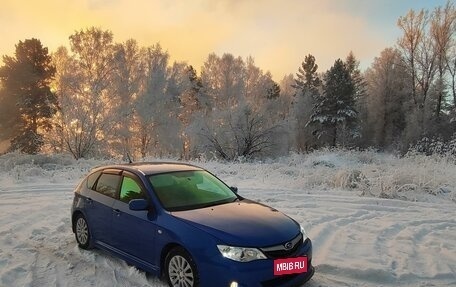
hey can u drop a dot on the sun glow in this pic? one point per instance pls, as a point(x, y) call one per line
point(278, 34)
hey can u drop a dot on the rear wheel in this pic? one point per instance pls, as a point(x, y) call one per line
point(81, 231)
point(180, 269)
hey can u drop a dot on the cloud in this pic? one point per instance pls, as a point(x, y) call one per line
point(278, 34)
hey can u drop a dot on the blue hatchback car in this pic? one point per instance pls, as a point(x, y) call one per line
point(181, 222)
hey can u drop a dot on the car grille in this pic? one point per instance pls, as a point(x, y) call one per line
point(280, 251)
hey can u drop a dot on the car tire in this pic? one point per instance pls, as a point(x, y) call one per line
point(82, 232)
point(180, 269)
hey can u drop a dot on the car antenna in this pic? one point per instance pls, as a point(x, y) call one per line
point(129, 158)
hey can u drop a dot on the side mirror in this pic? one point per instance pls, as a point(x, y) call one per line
point(234, 189)
point(138, 204)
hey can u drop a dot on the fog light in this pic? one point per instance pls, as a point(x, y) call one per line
point(234, 284)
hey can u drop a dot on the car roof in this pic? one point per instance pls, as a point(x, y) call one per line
point(150, 168)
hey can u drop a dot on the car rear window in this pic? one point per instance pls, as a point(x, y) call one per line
point(92, 178)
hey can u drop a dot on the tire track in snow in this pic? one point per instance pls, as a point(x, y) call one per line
point(370, 242)
point(357, 241)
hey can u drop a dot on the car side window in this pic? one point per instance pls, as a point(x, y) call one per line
point(107, 184)
point(131, 190)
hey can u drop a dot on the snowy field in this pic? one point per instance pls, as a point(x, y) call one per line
point(374, 219)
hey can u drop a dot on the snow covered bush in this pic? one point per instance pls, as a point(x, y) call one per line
point(435, 146)
point(55, 168)
point(366, 173)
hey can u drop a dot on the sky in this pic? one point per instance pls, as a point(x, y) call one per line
point(278, 34)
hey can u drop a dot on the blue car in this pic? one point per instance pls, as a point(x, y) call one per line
point(181, 222)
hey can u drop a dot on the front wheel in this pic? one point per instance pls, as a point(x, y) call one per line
point(81, 231)
point(180, 269)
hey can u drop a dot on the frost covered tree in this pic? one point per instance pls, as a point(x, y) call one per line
point(335, 109)
point(386, 100)
point(279, 112)
point(150, 104)
point(193, 106)
point(28, 103)
point(238, 91)
point(84, 89)
point(128, 73)
point(172, 133)
point(157, 128)
point(223, 80)
point(259, 86)
point(286, 98)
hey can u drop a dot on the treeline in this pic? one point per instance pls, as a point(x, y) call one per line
point(100, 98)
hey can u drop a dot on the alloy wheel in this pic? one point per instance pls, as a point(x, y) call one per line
point(82, 231)
point(180, 272)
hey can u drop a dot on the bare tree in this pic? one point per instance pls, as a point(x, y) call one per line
point(443, 22)
point(245, 134)
point(451, 66)
point(413, 26)
point(426, 68)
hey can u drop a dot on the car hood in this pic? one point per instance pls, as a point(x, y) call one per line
point(245, 223)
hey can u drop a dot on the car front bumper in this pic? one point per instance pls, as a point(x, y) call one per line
point(222, 272)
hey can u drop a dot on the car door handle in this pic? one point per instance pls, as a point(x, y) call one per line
point(116, 212)
point(89, 200)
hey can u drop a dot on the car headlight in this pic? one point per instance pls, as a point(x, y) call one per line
point(240, 254)
point(304, 234)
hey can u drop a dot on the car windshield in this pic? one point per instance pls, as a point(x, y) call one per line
point(184, 190)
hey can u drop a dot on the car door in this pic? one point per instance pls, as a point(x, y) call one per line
point(133, 232)
point(99, 205)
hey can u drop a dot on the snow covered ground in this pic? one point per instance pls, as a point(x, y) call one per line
point(374, 219)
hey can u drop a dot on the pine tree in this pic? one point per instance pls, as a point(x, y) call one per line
point(360, 93)
point(307, 85)
point(352, 65)
point(335, 109)
point(26, 78)
point(273, 91)
point(9, 115)
point(195, 89)
point(307, 79)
